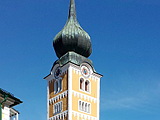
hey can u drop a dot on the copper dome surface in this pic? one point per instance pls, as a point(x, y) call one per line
point(72, 37)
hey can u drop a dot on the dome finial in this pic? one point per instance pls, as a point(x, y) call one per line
point(72, 37)
point(72, 9)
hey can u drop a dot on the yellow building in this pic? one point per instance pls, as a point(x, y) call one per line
point(73, 91)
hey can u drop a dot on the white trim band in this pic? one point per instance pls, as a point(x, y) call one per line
point(86, 97)
point(83, 116)
point(58, 97)
point(60, 115)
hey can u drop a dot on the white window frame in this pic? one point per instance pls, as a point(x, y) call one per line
point(84, 108)
point(58, 88)
point(83, 86)
point(57, 107)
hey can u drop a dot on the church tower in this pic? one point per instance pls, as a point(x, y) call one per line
point(73, 91)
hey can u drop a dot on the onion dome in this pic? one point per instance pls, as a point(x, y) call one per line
point(72, 37)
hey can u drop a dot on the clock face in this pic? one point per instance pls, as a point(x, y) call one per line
point(85, 71)
point(57, 72)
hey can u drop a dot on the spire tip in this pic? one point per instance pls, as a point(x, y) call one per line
point(72, 9)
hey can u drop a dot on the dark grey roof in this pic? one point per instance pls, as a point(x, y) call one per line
point(73, 58)
point(72, 37)
point(11, 99)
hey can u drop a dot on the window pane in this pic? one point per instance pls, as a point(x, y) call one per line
point(87, 86)
point(60, 85)
point(56, 86)
point(81, 83)
point(86, 107)
point(89, 108)
point(80, 106)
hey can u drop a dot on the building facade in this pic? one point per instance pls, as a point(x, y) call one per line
point(7, 102)
point(73, 90)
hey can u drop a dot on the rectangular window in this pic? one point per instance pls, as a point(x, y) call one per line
point(57, 108)
point(84, 106)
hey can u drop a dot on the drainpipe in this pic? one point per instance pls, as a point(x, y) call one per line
point(5, 98)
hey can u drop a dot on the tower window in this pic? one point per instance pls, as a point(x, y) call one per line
point(84, 85)
point(84, 107)
point(57, 86)
point(60, 85)
point(87, 85)
point(88, 108)
point(81, 83)
point(80, 106)
point(57, 108)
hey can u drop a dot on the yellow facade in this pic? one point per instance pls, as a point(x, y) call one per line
point(93, 93)
point(74, 96)
point(76, 85)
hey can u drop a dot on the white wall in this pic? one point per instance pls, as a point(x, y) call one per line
point(5, 113)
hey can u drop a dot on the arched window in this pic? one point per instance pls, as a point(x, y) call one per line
point(86, 107)
point(80, 106)
point(60, 85)
point(55, 86)
point(87, 85)
point(56, 109)
point(81, 83)
point(58, 105)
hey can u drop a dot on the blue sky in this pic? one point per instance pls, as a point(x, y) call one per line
point(126, 50)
